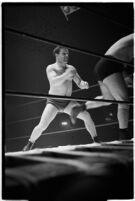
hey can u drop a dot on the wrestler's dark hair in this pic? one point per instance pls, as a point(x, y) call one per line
point(57, 49)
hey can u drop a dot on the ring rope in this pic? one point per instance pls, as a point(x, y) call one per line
point(37, 101)
point(65, 45)
point(106, 18)
point(74, 91)
point(43, 96)
point(69, 130)
point(90, 87)
point(31, 118)
point(22, 120)
point(28, 103)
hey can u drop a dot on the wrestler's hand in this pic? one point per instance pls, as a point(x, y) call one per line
point(71, 73)
point(84, 85)
point(129, 81)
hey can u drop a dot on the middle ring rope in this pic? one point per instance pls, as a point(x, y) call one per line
point(43, 96)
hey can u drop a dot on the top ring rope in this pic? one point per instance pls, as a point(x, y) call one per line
point(65, 45)
point(43, 96)
point(92, 11)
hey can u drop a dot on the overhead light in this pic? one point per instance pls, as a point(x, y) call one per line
point(67, 10)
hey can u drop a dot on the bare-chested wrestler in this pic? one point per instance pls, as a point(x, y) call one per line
point(113, 82)
point(60, 76)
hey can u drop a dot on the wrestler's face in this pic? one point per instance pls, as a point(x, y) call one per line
point(63, 56)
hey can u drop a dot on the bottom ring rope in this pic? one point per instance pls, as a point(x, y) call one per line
point(70, 130)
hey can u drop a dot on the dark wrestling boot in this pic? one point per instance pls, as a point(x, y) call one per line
point(96, 139)
point(75, 111)
point(123, 134)
point(28, 146)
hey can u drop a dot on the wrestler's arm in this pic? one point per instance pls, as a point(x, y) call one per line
point(128, 79)
point(77, 79)
point(79, 82)
point(56, 79)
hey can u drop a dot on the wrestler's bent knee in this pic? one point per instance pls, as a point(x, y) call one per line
point(123, 106)
point(85, 114)
point(76, 111)
point(123, 98)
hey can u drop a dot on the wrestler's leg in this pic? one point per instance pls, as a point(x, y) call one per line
point(105, 91)
point(92, 104)
point(89, 124)
point(48, 115)
point(71, 110)
point(118, 89)
point(105, 95)
point(70, 106)
point(85, 116)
